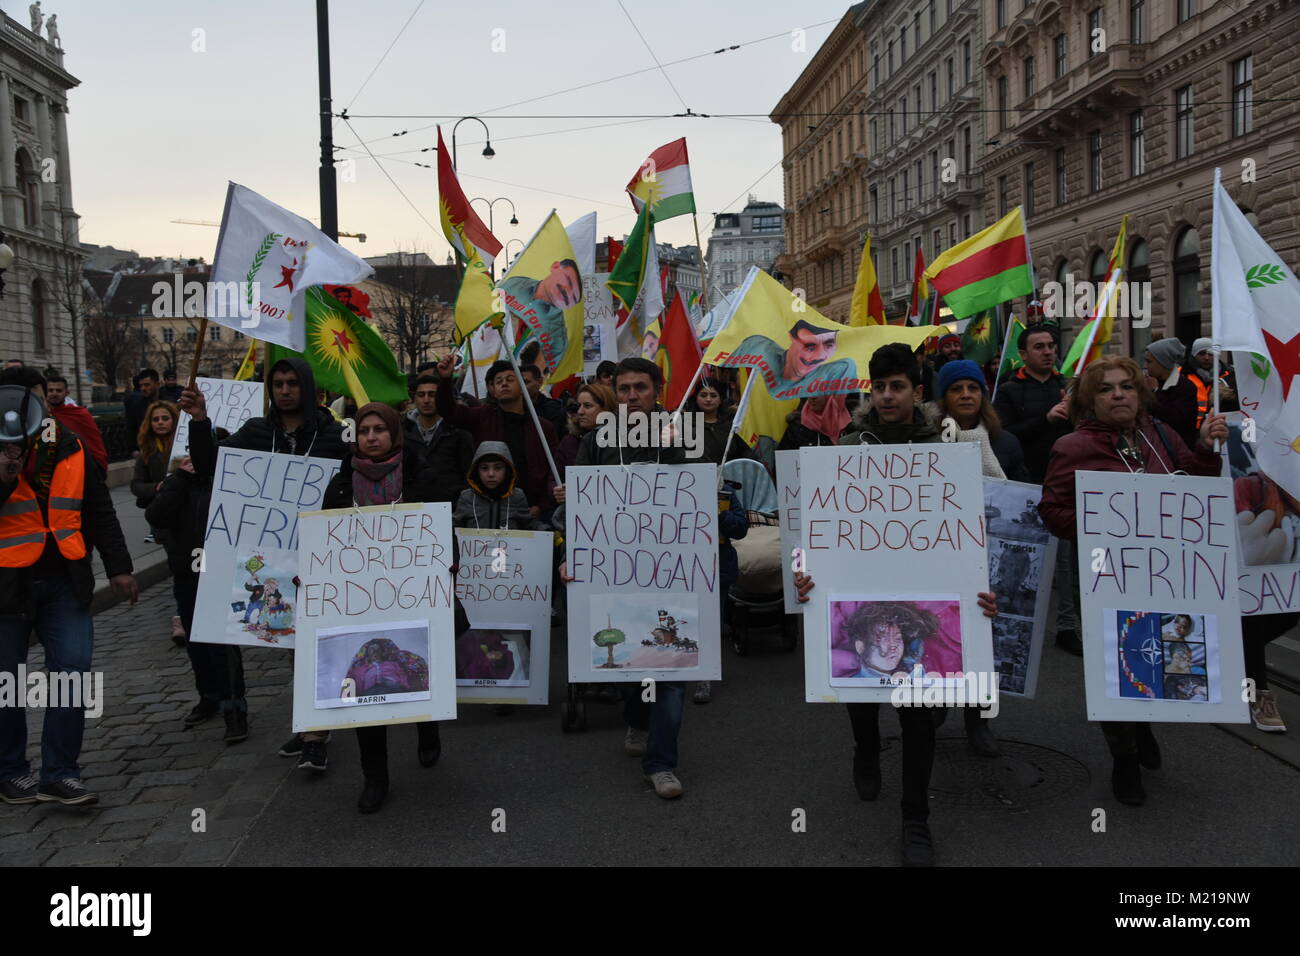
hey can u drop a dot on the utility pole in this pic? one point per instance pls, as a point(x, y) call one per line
point(329, 196)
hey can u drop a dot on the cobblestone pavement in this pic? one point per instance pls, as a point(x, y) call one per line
point(151, 774)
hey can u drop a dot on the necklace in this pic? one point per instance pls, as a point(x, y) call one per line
point(1130, 454)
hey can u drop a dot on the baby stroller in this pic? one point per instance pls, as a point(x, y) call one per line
point(756, 600)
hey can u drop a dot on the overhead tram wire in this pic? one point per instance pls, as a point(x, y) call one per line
point(436, 230)
point(646, 44)
point(382, 58)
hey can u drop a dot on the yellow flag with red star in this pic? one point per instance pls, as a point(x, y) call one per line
point(345, 353)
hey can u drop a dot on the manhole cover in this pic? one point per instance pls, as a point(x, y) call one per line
point(1025, 776)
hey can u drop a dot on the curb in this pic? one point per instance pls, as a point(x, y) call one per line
point(146, 576)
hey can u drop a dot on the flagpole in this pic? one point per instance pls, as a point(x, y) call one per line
point(997, 376)
point(528, 403)
point(198, 350)
point(704, 269)
point(329, 196)
point(741, 408)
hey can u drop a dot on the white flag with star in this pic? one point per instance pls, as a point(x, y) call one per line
point(1256, 315)
point(266, 259)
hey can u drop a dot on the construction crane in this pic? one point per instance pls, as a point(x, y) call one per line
point(359, 236)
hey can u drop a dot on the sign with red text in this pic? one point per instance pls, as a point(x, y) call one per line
point(787, 498)
point(250, 549)
point(376, 641)
point(895, 541)
point(1159, 603)
point(503, 580)
point(642, 547)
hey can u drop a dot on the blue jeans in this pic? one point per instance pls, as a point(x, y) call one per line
point(663, 720)
point(67, 631)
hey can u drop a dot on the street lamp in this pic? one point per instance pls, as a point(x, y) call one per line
point(488, 151)
point(514, 219)
point(521, 249)
point(6, 260)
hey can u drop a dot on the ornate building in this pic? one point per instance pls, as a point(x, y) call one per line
point(751, 237)
point(41, 309)
point(1127, 106)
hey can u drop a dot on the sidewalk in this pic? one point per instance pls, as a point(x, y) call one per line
point(149, 560)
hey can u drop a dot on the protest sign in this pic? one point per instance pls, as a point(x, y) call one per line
point(599, 324)
point(250, 547)
point(1159, 606)
point(376, 627)
point(1268, 527)
point(895, 540)
point(229, 404)
point(1022, 558)
point(787, 497)
point(642, 545)
point(504, 583)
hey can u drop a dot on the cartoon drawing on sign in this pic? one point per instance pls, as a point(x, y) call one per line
point(259, 605)
point(357, 667)
point(1164, 656)
point(493, 656)
point(646, 633)
point(875, 642)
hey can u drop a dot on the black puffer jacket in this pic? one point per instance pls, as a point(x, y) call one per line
point(1022, 404)
point(320, 436)
point(181, 508)
point(444, 462)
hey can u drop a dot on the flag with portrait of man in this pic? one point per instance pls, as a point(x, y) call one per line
point(543, 290)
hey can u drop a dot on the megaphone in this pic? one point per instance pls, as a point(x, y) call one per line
point(21, 414)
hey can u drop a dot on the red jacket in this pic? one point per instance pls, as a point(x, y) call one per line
point(1094, 447)
point(80, 422)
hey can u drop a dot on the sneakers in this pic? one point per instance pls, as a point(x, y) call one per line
point(373, 795)
point(69, 791)
point(917, 844)
point(19, 789)
point(179, 637)
point(979, 734)
point(703, 692)
point(291, 747)
point(866, 773)
point(236, 726)
point(666, 784)
point(1126, 781)
point(314, 756)
point(201, 712)
point(1069, 642)
point(1148, 749)
point(1264, 712)
point(634, 742)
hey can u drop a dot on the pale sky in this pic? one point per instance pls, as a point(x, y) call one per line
point(156, 128)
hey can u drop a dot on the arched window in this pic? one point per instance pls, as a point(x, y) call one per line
point(1097, 268)
point(1187, 285)
point(1050, 310)
point(38, 315)
point(1139, 279)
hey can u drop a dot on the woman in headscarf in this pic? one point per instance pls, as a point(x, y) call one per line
point(381, 470)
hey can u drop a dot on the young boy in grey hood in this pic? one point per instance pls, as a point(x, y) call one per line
point(492, 499)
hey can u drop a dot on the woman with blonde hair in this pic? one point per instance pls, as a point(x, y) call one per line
point(1114, 431)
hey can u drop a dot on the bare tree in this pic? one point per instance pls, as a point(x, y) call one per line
point(111, 344)
point(408, 313)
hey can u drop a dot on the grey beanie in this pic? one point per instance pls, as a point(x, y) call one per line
point(1202, 345)
point(1168, 352)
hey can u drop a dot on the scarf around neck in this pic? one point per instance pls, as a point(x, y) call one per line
point(834, 416)
point(377, 482)
point(992, 467)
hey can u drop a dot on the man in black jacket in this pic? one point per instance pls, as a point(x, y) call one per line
point(56, 510)
point(550, 409)
point(296, 425)
point(1033, 406)
point(446, 451)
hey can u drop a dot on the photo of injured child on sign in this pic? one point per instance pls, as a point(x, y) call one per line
point(372, 664)
point(884, 642)
point(493, 657)
point(645, 633)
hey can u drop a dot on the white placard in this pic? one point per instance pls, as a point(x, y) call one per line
point(642, 546)
point(375, 619)
point(250, 549)
point(599, 323)
point(1022, 561)
point(1159, 609)
point(895, 541)
point(787, 503)
point(503, 581)
point(229, 405)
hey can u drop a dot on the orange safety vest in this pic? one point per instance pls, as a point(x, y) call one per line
point(1202, 399)
point(23, 528)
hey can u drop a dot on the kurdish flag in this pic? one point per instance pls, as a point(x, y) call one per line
point(867, 306)
point(248, 367)
point(762, 415)
point(664, 183)
point(345, 353)
point(989, 268)
point(475, 302)
point(918, 313)
point(977, 339)
point(1011, 359)
point(1087, 344)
